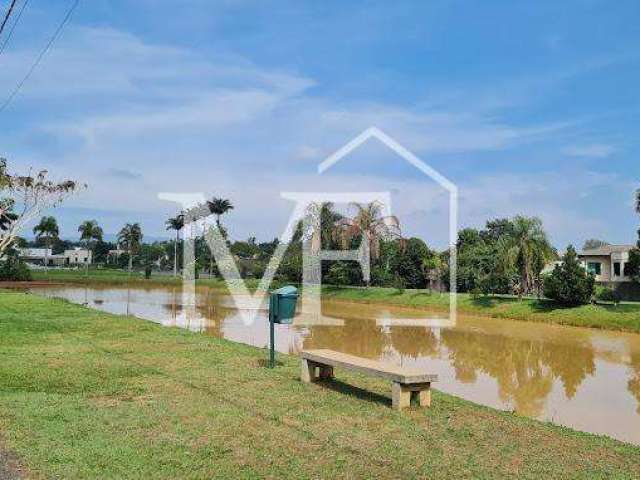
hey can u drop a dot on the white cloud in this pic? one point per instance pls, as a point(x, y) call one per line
point(186, 122)
point(594, 150)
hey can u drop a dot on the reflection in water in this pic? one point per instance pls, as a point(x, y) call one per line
point(634, 381)
point(586, 379)
point(524, 369)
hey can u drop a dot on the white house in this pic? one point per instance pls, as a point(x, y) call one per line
point(78, 256)
point(608, 262)
point(42, 256)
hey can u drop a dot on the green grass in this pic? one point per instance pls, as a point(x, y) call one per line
point(623, 317)
point(84, 394)
point(119, 277)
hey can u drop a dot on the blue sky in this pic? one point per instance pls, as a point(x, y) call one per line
point(529, 107)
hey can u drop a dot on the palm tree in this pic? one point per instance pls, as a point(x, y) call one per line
point(48, 231)
point(175, 223)
point(370, 225)
point(90, 231)
point(527, 249)
point(324, 215)
point(636, 203)
point(129, 238)
point(219, 206)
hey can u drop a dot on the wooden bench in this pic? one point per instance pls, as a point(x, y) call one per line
point(406, 382)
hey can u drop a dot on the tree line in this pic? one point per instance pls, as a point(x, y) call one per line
point(507, 256)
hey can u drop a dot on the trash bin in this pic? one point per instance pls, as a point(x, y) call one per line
point(282, 305)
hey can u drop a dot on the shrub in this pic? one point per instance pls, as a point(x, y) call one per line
point(607, 294)
point(569, 283)
point(344, 273)
point(399, 283)
point(12, 269)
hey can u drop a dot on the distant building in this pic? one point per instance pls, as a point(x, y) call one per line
point(44, 256)
point(608, 262)
point(34, 255)
point(78, 256)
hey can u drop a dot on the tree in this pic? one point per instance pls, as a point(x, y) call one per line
point(323, 221)
point(592, 243)
point(479, 266)
point(527, 249)
point(175, 223)
point(497, 229)
point(219, 206)
point(569, 283)
point(7, 215)
point(23, 198)
point(47, 231)
point(410, 260)
point(90, 233)
point(129, 239)
point(369, 225)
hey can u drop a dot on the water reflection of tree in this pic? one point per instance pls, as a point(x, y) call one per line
point(358, 337)
point(524, 369)
point(364, 338)
point(414, 341)
point(211, 311)
point(634, 382)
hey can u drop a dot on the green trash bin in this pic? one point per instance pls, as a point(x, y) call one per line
point(282, 309)
point(282, 305)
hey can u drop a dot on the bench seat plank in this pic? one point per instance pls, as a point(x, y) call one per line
point(398, 374)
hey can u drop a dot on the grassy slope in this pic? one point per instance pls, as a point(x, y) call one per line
point(624, 317)
point(84, 394)
point(116, 277)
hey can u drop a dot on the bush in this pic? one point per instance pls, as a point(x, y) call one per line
point(13, 269)
point(344, 273)
point(399, 283)
point(607, 294)
point(569, 284)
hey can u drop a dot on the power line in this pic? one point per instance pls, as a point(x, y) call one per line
point(8, 37)
point(39, 58)
point(13, 26)
point(7, 15)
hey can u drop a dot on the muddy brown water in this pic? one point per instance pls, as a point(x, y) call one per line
point(581, 378)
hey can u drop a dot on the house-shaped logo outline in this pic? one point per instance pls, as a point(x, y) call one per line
point(450, 187)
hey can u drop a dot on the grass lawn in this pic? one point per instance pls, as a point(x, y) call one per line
point(84, 394)
point(624, 317)
point(118, 277)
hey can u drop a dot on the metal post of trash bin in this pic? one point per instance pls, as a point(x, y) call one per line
point(272, 344)
point(282, 309)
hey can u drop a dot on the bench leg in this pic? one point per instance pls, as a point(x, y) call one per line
point(326, 372)
point(308, 372)
point(424, 396)
point(400, 396)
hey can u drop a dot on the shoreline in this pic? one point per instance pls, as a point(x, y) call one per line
point(624, 317)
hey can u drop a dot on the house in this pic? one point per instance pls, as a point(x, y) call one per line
point(35, 256)
point(607, 262)
point(78, 256)
point(45, 256)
